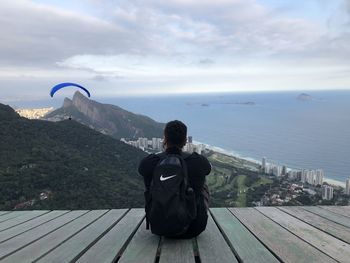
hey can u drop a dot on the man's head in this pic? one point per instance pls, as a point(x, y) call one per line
point(175, 134)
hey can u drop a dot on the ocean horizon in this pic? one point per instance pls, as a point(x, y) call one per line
point(303, 134)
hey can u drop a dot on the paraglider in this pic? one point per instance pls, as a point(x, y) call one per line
point(66, 84)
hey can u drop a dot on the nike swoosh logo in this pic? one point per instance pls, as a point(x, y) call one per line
point(166, 178)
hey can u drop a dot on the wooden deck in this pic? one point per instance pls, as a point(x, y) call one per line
point(262, 234)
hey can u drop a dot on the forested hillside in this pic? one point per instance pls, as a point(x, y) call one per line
point(66, 164)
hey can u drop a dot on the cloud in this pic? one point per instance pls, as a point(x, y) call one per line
point(157, 44)
point(36, 34)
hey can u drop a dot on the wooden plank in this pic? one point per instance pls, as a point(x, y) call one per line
point(108, 247)
point(28, 237)
point(11, 215)
point(342, 220)
point(75, 246)
point(328, 244)
point(47, 243)
point(142, 247)
point(342, 210)
point(212, 246)
point(13, 231)
point(246, 246)
point(4, 212)
point(21, 219)
point(334, 229)
point(288, 247)
point(177, 251)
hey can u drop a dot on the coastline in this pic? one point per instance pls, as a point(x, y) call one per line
point(239, 156)
point(334, 182)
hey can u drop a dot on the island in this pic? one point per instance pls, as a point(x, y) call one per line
point(304, 97)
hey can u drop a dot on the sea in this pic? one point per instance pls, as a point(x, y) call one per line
point(303, 134)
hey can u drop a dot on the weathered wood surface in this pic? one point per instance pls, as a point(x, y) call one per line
point(21, 219)
point(11, 215)
point(10, 246)
point(177, 251)
point(331, 246)
point(142, 248)
point(49, 242)
point(246, 246)
point(75, 246)
point(330, 227)
point(108, 247)
point(284, 234)
point(340, 219)
point(4, 212)
point(24, 227)
point(212, 246)
point(288, 247)
point(341, 210)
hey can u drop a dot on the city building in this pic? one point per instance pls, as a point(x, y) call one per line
point(263, 164)
point(293, 174)
point(347, 188)
point(190, 139)
point(327, 192)
point(319, 177)
point(284, 170)
point(313, 177)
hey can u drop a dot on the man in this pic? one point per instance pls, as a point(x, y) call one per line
point(175, 136)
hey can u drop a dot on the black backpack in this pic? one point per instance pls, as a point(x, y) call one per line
point(170, 201)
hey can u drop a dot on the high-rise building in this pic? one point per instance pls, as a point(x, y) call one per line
point(319, 177)
point(303, 176)
point(199, 148)
point(314, 177)
point(347, 188)
point(189, 139)
point(293, 174)
point(327, 192)
point(159, 144)
point(277, 170)
point(154, 143)
point(263, 164)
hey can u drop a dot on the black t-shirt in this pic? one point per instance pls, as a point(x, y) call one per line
point(197, 165)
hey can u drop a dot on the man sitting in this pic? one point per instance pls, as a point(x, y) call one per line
point(171, 179)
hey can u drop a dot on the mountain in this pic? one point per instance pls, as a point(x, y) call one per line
point(7, 113)
point(64, 165)
point(108, 119)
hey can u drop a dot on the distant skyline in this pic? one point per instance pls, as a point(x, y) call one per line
point(119, 48)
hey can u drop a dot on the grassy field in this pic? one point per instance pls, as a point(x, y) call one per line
point(228, 179)
point(234, 161)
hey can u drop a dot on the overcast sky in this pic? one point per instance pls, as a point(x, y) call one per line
point(173, 46)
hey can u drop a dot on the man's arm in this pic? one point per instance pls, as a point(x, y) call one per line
point(146, 168)
point(206, 166)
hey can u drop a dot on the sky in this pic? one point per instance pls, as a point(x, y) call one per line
point(152, 47)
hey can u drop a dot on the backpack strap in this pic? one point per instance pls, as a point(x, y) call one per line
point(147, 223)
point(184, 169)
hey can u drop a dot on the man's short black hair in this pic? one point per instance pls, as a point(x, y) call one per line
point(175, 133)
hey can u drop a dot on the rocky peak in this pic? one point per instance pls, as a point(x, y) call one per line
point(87, 107)
point(80, 97)
point(67, 103)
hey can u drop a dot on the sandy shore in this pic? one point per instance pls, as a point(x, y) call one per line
point(334, 182)
point(234, 154)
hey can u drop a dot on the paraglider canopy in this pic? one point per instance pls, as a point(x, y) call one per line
point(66, 84)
